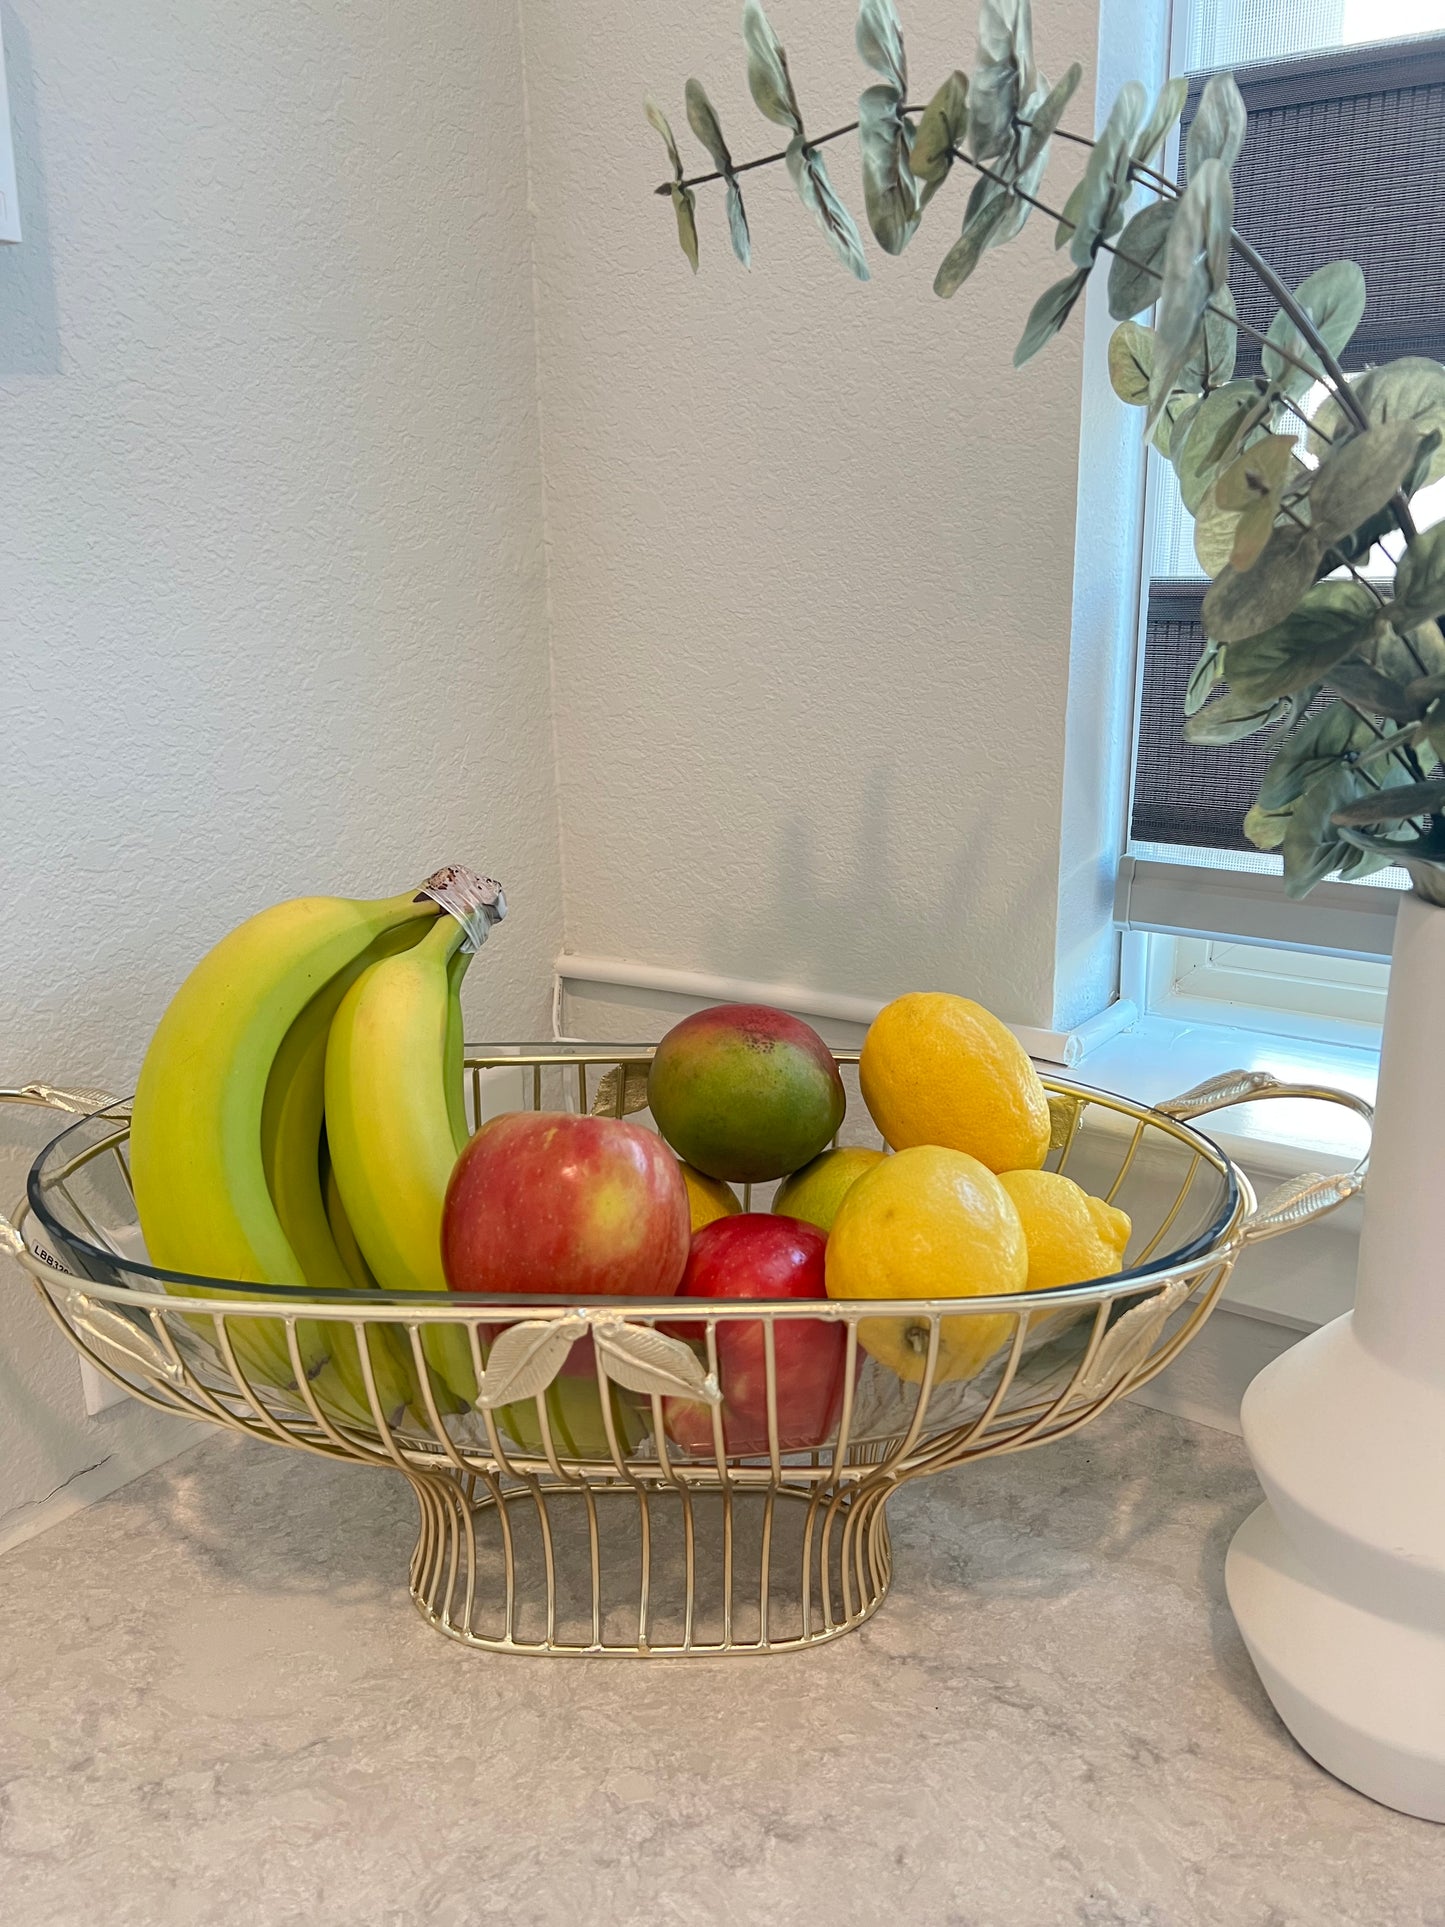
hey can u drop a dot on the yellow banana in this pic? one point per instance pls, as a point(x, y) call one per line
point(195, 1143)
point(396, 1122)
point(292, 1155)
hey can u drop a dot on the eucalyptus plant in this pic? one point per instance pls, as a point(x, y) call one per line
point(1289, 506)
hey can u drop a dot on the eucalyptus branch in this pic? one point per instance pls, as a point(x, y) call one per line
point(1129, 260)
point(766, 160)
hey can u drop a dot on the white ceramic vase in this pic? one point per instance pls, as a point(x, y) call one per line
point(1338, 1580)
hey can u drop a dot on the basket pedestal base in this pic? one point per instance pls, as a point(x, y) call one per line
point(646, 1568)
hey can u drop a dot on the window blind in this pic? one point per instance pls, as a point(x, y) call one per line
point(1344, 158)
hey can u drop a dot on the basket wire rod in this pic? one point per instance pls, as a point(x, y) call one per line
point(925, 1390)
point(748, 1196)
point(267, 1423)
point(1071, 1136)
point(810, 1521)
point(619, 1098)
point(1162, 1233)
point(428, 1398)
point(770, 1380)
point(1081, 1371)
point(476, 1084)
point(765, 1566)
point(494, 1438)
point(536, 1087)
point(1124, 1168)
point(665, 1469)
point(373, 1397)
point(644, 1583)
point(123, 1165)
point(308, 1398)
point(197, 1387)
point(689, 1565)
point(945, 1449)
point(1164, 1354)
point(549, 1558)
point(609, 1424)
point(594, 1554)
point(845, 1414)
point(725, 1479)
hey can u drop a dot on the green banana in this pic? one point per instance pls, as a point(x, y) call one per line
point(195, 1140)
point(396, 1122)
point(292, 1153)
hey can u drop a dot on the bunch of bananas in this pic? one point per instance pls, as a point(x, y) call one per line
point(297, 1118)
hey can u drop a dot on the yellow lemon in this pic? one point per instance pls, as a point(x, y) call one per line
point(814, 1193)
point(708, 1198)
point(928, 1223)
point(941, 1070)
point(1071, 1237)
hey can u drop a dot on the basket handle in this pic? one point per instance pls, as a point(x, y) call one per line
point(1299, 1200)
point(83, 1102)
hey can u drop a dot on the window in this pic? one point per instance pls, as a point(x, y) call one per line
point(1329, 116)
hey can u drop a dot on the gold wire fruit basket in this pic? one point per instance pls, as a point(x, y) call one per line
point(560, 1513)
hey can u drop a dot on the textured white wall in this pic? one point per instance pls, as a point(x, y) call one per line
point(811, 542)
point(271, 578)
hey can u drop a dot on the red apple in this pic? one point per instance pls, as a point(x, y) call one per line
point(545, 1204)
point(758, 1255)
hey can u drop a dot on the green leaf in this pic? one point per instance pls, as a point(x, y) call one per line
point(1215, 531)
point(769, 81)
point(1132, 288)
point(1420, 579)
point(1253, 485)
point(1131, 358)
point(685, 209)
point(1310, 753)
point(817, 193)
point(1106, 186)
point(1196, 263)
point(1242, 603)
point(1331, 619)
point(1356, 478)
point(1265, 828)
point(1217, 131)
point(1381, 694)
point(1422, 856)
point(890, 193)
point(1393, 805)
point(702, 119)
point(1005, 76)
point(1229, 718)
point(879, 40)
point(1411, 389)
point(1213, 437)
point(683, 205)
point(981, 222)
point(1202, 678)
point(941, 129)
point(1043, 111)
point(1162, 116)
point(1049, 313)
point(1212, 363)
point(1334, 299)
point(1312, 848)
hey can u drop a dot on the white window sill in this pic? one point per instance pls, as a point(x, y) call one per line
point(1158, 1057)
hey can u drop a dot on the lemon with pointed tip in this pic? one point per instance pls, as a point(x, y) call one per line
point(815, 1193)
point(929, 1223)
point(938, 1069)
point(1071, 1237)
point(708, 1199)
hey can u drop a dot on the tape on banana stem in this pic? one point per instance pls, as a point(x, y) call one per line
point(476, 902)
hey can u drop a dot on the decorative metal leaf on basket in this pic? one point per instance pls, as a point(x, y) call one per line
point(1291, 503)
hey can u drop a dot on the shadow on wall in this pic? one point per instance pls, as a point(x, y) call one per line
point(29, 319)
point(768, 935)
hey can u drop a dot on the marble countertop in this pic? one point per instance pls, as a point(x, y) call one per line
point(220, 1708)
